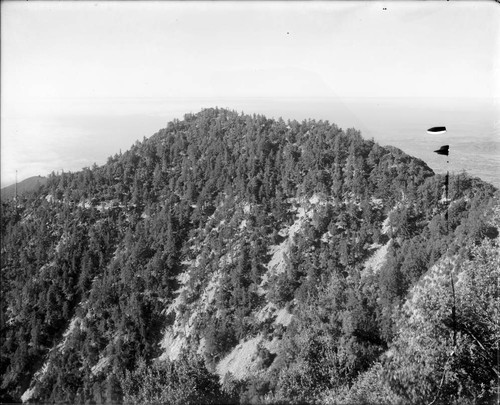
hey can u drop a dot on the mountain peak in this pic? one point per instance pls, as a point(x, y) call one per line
point(235, 258)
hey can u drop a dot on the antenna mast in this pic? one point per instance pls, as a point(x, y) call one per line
point(15, 190)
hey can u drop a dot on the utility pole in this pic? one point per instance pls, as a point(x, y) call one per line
point(15, 189)
point(445, 150)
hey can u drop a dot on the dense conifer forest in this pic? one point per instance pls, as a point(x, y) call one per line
point(232, 258)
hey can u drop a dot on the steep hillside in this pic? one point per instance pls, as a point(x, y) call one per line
point(233, 258)
point(27, 185)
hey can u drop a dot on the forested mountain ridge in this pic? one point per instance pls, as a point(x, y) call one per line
point(242, 259)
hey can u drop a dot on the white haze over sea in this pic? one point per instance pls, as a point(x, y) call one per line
point(79, 132)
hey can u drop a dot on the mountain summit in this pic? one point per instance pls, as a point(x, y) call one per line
point(232, 258)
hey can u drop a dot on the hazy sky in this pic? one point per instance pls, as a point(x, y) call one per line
point(80, 80)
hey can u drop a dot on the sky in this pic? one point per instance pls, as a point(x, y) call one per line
point(81, 81)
